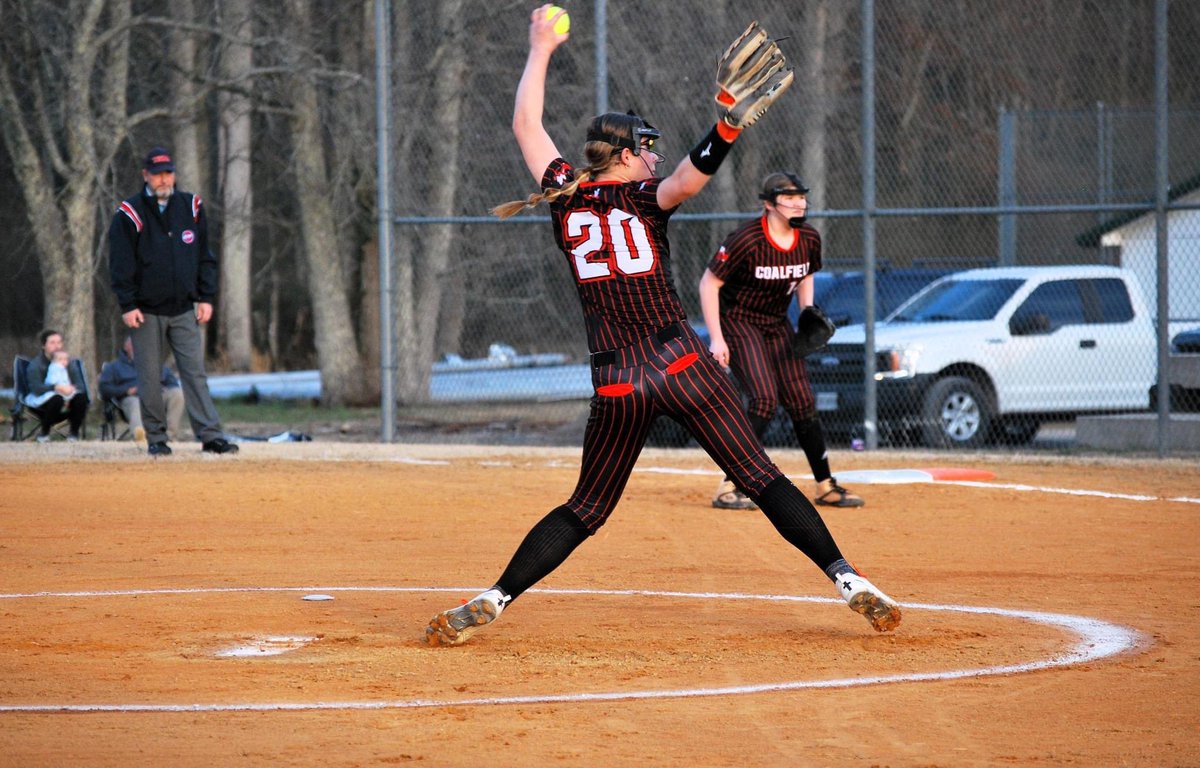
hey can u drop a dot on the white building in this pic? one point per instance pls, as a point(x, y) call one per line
point(1134, 238)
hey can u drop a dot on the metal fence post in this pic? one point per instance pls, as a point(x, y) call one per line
point(601, 56)
point(1006, 173)
point(870, 402)
point(1162, 183)
point(383, 163)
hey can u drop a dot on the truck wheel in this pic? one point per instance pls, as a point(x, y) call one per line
point(957, 414)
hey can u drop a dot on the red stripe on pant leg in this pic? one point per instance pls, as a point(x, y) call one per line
point(614, 390)
point(682, 363)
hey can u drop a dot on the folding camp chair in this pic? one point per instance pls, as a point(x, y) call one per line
point(115, 425)
point(22, 413)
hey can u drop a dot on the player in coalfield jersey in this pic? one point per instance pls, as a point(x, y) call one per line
point(745, 294)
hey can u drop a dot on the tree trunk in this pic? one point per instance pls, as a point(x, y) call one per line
point(419, 291)
point(439, 281)
point(369, 327)
point(236, 192)
point(404, 245)
point(352, 138)
point(824, 21)
point(453, 313)
point(337, 352)
point(185, 124)
point(67, 143)
point(79, 327)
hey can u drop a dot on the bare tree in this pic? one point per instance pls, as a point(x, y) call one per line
point(357, 106)
point(818, 77)
point(187, 124)
point(440, 303)
point(423, 270)
point(337, 351)
point(234, 138)
point(63, 74)
point(404, 308)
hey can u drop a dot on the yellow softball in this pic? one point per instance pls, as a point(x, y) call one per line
point(563, 25)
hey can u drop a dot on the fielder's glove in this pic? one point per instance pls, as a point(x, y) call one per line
point(813, 331)
point(751, 75)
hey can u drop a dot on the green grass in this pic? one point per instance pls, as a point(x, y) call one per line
point(240, 412)
point(272, 411)
point(485, 421)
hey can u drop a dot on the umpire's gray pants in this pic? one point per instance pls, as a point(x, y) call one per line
point(152, 340)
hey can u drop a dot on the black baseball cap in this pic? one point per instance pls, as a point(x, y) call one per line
point(159, 160)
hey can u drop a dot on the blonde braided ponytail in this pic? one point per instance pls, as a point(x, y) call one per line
point(599, 155)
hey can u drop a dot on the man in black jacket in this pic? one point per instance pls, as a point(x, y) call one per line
point(165, 279)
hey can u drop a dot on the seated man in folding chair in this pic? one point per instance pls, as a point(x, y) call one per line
point(118, 383)
point(54, 400)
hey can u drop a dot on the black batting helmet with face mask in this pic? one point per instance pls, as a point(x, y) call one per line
point(783, 183)
point(640, 129)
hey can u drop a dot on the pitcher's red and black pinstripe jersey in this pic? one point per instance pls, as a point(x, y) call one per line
point(614, 236)
point(761, 275)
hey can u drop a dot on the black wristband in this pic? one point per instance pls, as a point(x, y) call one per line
point(708, 155)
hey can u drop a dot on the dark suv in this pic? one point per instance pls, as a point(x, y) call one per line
point(1183, 373)
point(1186, 343)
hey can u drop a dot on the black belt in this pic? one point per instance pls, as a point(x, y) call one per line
point(662, 336)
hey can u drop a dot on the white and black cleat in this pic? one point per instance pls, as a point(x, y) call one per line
point(865, 598)
point(455, 626)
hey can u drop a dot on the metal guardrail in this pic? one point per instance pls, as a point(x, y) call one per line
point(501, 376)
point(451, 384)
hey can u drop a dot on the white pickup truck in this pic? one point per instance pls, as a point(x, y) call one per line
point(989, 354)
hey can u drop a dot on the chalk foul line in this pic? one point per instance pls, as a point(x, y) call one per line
point(1094, 640)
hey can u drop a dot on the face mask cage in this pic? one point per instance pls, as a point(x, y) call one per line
point(644, 132)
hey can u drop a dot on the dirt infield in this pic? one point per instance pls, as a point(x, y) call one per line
point(153, 614)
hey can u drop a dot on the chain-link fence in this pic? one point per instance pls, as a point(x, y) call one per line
point(1013, 136)
point(1005, 134)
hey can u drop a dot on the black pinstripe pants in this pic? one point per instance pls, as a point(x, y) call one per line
point(671, 373)
point(678, 378)
point(761, 358)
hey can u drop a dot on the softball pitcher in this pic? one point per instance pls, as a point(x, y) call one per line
point(610, 220)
